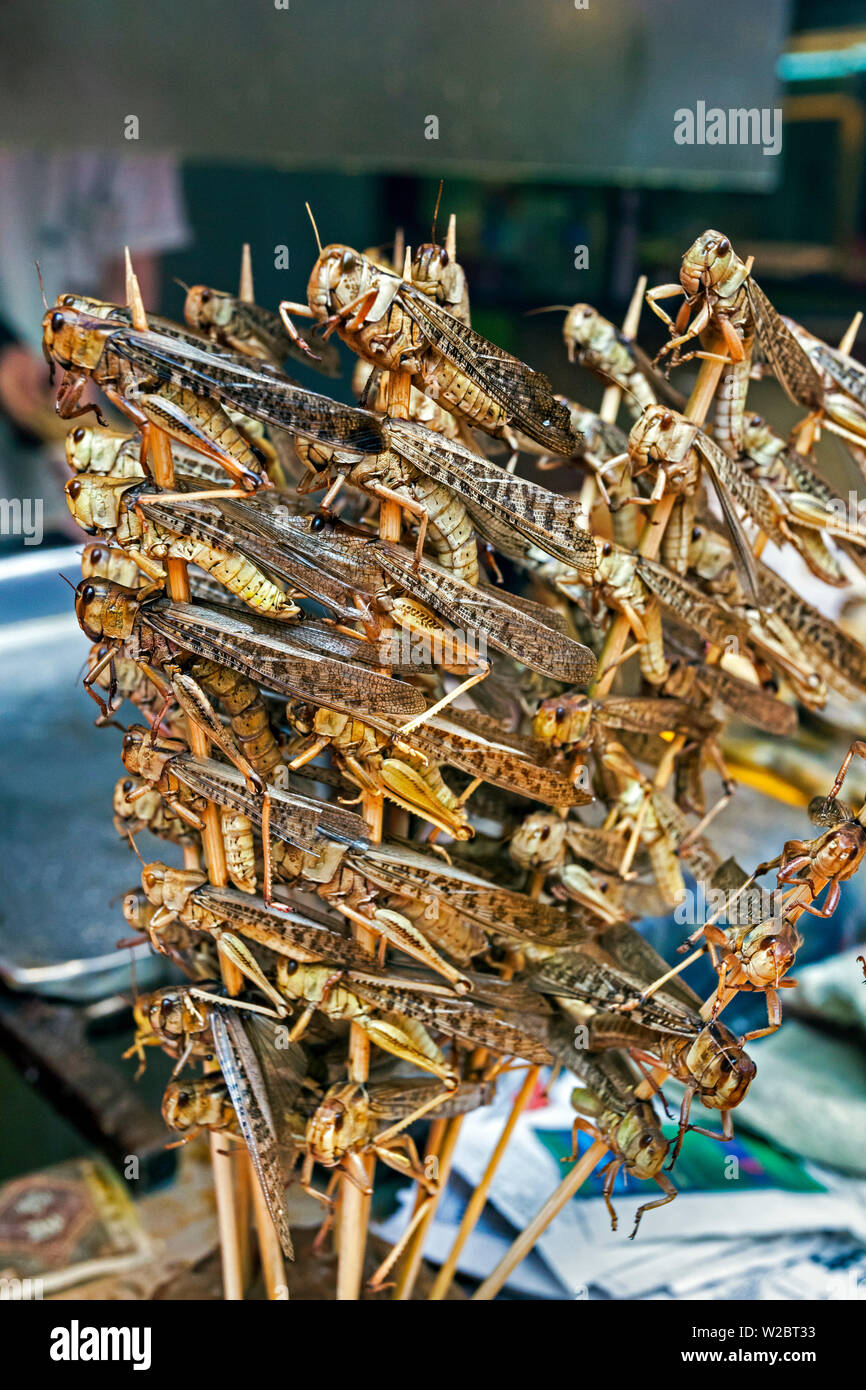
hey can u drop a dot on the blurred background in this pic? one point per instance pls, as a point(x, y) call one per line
point(185, 131)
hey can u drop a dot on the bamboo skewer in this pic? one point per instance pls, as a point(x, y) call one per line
point(696, 410)
point(445, 1277)
point(354, 1216)
point(246, 1180)
point(648, 546)
point(539, 1224)
point(223, 1158)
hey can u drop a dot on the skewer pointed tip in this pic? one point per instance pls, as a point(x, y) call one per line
point(246, 290)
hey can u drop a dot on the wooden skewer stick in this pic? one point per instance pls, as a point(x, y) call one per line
point(445, 1277)
point(696, 410)
point(556, 1201)
point(354, 1215)
point(539, 1224)
point(651, 538)
point(177, 579)
point(270, 1253)
point(246, 290)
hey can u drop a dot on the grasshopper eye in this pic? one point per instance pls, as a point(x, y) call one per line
point(666, 420)
point(338, 1120)
point(646, 1140)
point(443, 255)
point(88, 593)
point(349, 261)
point(696, 533)
point(57, 321)
point(318, 523)
point(204, 297)
point(73, 488)
point(607, 548)
point(724, 246)
point(290, 966)
point(78, 435)
point(127, 787)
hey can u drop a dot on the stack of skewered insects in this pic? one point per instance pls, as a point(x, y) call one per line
point(430, 687)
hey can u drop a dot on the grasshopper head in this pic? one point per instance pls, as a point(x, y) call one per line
point(637, 1138)
point(339, 277)
point(339, 1123)
point(94, 501)
point(195, 1102)
point(723, 1071)
point(136, 909)
point(81, 447)
point(539, 840)
point(125, 810)
point(206, 308)
point(767, 955)
point(581, 326)
point(708, 261)
point(140, 756)
point(72, 339)
point(105, 610)
point(563, 720)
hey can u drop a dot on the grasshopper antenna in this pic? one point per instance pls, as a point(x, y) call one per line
point(548, 309)
point(436, 211)
point(135, 850)
point(67, 581)
point(41, 285)
point(315, 228)
point(184, 286)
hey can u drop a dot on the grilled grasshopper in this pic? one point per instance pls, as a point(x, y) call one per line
point(486, 1018)
point(186, 895)
point(90, 449)
point(416, 458)
point(186, 782)
point(119, 509)
point(630, 583)
point(252, 331)
point(604, 981)
point(442, 517)
point(179, 387)
point(86, 347)
point(465, 739)
point(806, 503)
point(604, 350)
point(393, 325)
point(333, 564)
point(757, 946)
point(311, 663)
point(439, 906)
point(731, 304)
point(409, 779)
point(792, 636)
point(610, 1111)
point(680, 452)
point(261, 1077)
point(348, 1121)
point(292, 820)
point(332, 992)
